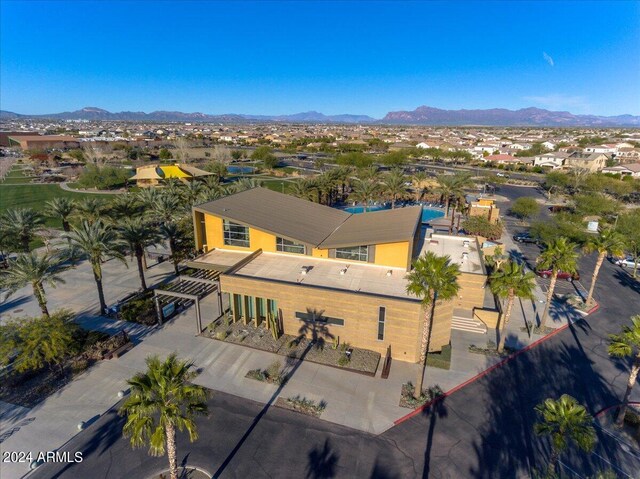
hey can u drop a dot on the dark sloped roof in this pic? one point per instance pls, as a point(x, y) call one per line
point(376, 227)
point(278, 213)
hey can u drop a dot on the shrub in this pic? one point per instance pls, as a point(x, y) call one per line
point(429, 394)
point(305, 405)
point(256, 374)
point(343, 360)
point(480, 226)
point(221, 335)
point(79, 365)
point(139, 311)
point(104, 177)
point(274, 369)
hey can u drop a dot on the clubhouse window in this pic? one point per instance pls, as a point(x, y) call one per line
point(355, 253)
point(287, 246)
point(235, 234)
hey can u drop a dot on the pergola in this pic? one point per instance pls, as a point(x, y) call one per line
point(187, 290)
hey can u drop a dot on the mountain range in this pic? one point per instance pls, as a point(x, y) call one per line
point(423, 115)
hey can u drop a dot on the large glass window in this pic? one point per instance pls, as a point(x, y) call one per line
point(249, 304)
point(235, 234)
point(237, 306)
point(289, 246)
point(356, 253)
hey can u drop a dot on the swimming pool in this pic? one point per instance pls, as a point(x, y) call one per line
point(242, 170)
point(428, 214)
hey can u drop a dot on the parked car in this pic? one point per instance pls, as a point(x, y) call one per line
point(502, 175)
point(546, 273)
point(627, 262)
point(524, 238)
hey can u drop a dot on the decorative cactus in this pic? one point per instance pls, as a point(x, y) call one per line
point(273, 326)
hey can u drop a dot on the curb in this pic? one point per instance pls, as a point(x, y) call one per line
point(419, 410)
point(608, 408)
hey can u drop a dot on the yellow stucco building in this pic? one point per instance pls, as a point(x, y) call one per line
point(307, 262)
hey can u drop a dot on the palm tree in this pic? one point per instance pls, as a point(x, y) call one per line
point(364, 191)
point(564, 420)
point(165, 207)
point(219, 170)
point(452, 187)
point(394, 186)
point(138, 235)
point(172, 233)
point(304, 189)
point(161, 401)
point(510, 281)
point(62, 207)
point(559, 255)
point(124, 206)
point(627, 344)
point(607, 242)
point(90, 210)
point(433, 278)
point(147, 196)
point(418, 180)
point(21, 224)
point(99, 243)
point(192, 191)
point(246, 184)
point(36, 270)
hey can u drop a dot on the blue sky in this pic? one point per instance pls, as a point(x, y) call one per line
point(334, 57)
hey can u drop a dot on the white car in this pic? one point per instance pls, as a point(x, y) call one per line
point(627, 262)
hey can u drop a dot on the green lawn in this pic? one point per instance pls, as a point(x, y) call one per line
point(276, 185)
point(16, 176)
point(34, 196)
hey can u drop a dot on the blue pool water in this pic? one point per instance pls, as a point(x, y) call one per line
point(428, 214)
point(244, 170)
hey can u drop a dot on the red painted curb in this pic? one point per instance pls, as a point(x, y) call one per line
point(479, 375)
point(594, 309)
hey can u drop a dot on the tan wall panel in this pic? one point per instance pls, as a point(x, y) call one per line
point(403, 320)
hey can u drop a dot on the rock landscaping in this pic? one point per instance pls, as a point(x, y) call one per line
point(30, 387)
point(333, 354)
point(491, 350)
point(406, 395)
point(302, 405)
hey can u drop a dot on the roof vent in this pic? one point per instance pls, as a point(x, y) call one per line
point(343, 271)
point(465, 243)
point(389, 273)
point(465, 255)
point(304, 270)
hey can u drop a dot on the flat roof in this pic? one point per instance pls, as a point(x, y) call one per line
point(376, 227)
point(45, 138)
point(219, 259)
point(325, 273)
point(454, 247)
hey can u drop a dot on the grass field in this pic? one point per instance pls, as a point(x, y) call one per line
point(16, 177)
point(34, 196)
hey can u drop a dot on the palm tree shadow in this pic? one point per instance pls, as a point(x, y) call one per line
point(319, 333)
point(437, 410)
point(322, 462)
point(627, 280)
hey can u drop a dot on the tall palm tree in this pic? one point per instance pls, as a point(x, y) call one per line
point(147, 196)
point(559, 255)
point(365, 191)
point(219, 170)
point(99, 243)
point(21, 224)
point(62, 207)
point(304, 189)
point(565, 421)
point(509, 282)
point(165, 207)
point(627, 344)
point(607, 242)
point(36, 270)
point(138, 235)
point(124, 206)
point(90, 210)
point(192, 191)
point(393, 185)
point(161, 401)
point(452, 187)
point(172, 233)
point(245, 184)
point(433, 278)
point(418, 179)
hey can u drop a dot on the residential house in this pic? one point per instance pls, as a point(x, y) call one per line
point(592, 162)
point(554, 161)
point(632, 169)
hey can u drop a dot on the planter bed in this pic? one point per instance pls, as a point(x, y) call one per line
point(361, 361)
point(490, 350)
point(407, 400)
point(28, 388)
point(301, 405)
